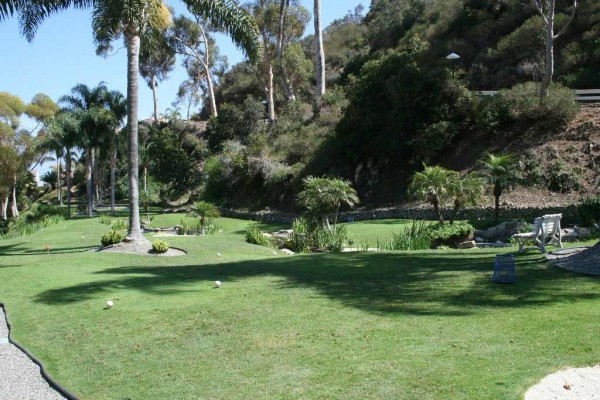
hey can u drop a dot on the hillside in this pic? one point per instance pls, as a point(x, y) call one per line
point(576, 149)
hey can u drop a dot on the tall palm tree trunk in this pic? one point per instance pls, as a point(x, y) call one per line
point(58, 182)
point(68, 167)
point(96, 178)
point(154, 97)
point(89, 160)
point(133, 58)
point(113, 177)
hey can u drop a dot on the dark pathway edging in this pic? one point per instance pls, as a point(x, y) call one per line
point(53, 384)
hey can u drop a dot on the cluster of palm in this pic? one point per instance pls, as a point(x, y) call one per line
point(90, 122)
point(129, 19)
point(438, 185)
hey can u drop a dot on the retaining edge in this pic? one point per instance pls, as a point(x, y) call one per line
point(47, 377)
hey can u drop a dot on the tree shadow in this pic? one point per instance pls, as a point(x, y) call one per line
point(51, 250)
point(397, 283)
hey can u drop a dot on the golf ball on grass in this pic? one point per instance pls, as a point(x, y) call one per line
point(109, 304)
point(218, 284)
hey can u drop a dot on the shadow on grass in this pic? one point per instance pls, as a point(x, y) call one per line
point(416, 283)
point(53, 250)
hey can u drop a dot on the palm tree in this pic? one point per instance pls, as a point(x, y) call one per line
point(117, 105)
point(499, 170)
point(64, 130)
point(466, 192)
point(324, 196)
point(85, 99)
point(129, 18)
point(434, 185)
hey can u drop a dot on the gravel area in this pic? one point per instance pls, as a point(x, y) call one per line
point(142, 248)
point(570, 384)
point(582, 260)
point(20, 378)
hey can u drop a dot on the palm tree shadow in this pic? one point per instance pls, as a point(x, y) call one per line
point(415, 284)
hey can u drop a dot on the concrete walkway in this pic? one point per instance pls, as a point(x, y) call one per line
point(20, 378)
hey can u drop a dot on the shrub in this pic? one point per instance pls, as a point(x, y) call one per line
point(329, 239)
point(561, 178)
point(120, 225)
point(589, 211)
point(112, 237)
point(449, 234)
point(255, 236)
point(39, 216)
point(104, 219)
point(160, 246)
point(414, 237)
point(300, 239)
point(558, 108)
point(205, 211)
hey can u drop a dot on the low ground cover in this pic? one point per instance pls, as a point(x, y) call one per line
point(404, 325)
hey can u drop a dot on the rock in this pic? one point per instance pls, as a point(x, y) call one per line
point(288, 252)
point(583, 233)
point(479, 240)
point(500, 233)
point(469, 244)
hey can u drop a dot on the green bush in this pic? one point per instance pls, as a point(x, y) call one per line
point(160, 246)
point(104, 219)
point(300, 239)
point(588, 210)
point(561, 178)
point(329, 240)
point(414, 237)
point(120, 225)
point(38, 217)
point(523, 100)
point(255, 236)
point(112, 237)
point(449, 234)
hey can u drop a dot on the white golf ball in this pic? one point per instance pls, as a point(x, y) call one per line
point(217, 284)
point(219, 254)
point(109, 304)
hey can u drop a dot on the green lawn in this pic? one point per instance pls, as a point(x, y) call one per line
point(389, 325)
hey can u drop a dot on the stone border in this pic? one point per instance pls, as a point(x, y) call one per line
point(53, 384)
point(525, 213)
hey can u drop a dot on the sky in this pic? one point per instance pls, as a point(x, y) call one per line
point(62, 55)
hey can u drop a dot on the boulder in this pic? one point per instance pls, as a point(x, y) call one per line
point(469, 244)
point(583, 233)
point(500, 233)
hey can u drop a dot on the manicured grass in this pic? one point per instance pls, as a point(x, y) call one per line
point(389, 325)
point(370, 232)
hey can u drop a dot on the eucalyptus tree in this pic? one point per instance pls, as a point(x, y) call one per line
point(276, 35)
point(547, 10)
point(11, 109)
point(129, 18)
point(320, 59)
point(157, 60)
point(191, 38)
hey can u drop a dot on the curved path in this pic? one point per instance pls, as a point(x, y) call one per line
point(569, 384)
point(20, 377)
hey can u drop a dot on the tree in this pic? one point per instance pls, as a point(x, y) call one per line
point(500, 171)
point(157, 60)
point(276, 34)
point(117, 105)
point(324, 196)
point(466, 191)
point(64, 129)
point(127, 18)
point(434, 185)
point(205, 210)
point(89, 103)
point(547, 8)
point(191, 39)
point(320, 60)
